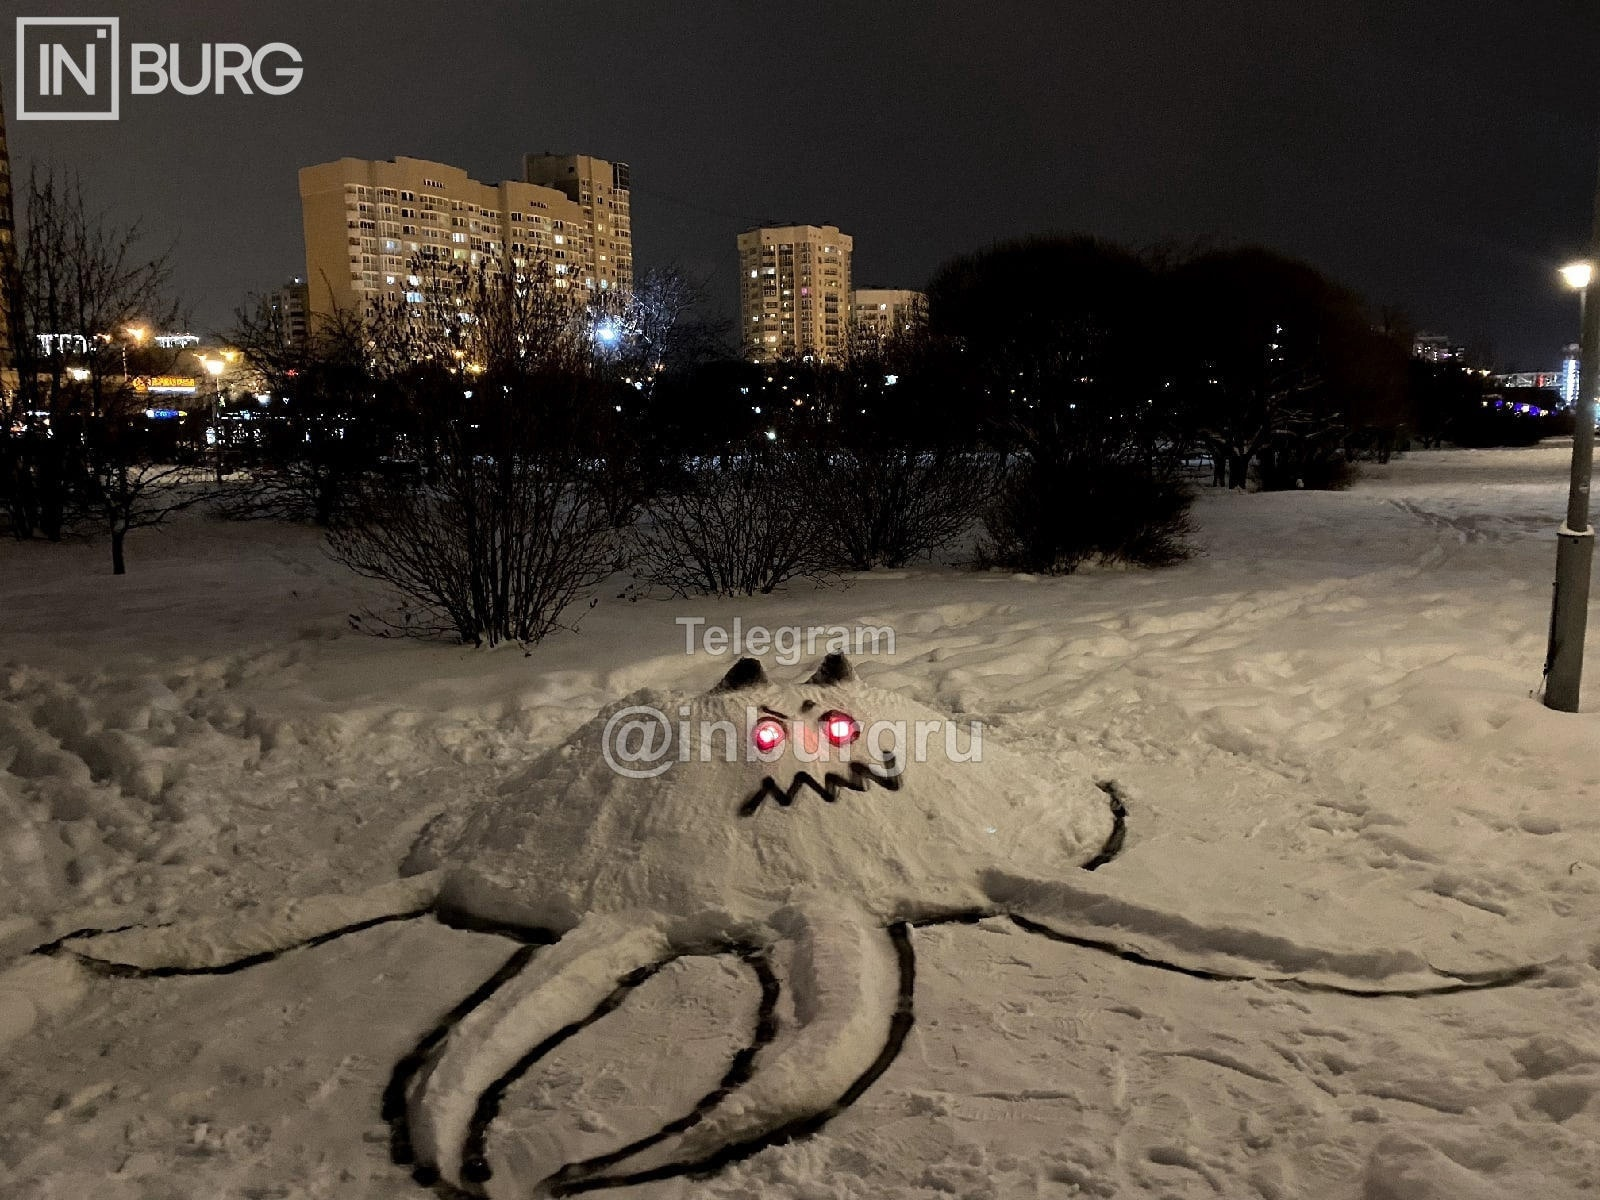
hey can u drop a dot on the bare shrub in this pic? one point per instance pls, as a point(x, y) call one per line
point(490, 551)
point(733, 524)
point(1050, 517)
point(503, 528)
point(897, 504)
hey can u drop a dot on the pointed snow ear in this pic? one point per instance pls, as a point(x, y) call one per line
point(746, 673)
point(835, 668)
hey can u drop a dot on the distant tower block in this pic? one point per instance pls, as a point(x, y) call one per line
point(794, 292)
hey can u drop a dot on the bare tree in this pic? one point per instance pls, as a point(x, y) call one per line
point(84, 449)
point(323, 429)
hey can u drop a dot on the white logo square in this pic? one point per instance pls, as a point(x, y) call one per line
point(84, 57)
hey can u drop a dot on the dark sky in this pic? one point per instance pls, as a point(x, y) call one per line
point(1438, 155)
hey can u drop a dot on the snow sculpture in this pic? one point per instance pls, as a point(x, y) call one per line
point(816, 872)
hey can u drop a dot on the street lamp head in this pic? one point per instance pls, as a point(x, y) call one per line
point(1578, 275)
point(214, 365)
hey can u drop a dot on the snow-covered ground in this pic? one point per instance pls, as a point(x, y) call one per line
point(1323, 725)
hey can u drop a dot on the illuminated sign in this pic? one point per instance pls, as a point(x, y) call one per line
point(166, 385)
point(63, 343)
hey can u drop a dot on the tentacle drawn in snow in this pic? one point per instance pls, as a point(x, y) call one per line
point(557, 992)
point(52, 978)
point(1459, 983)
point(1153, 937)
point(1119, 826)
point(849, 983)
point(589, 1174)
point(406, 1070)
point(217, 945)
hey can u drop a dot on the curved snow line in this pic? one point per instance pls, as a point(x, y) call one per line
point(1480, 982)
point(1119, 826)
point(121, 970)
point(574, 1177)
point(393, 1109)
point(475, 1166)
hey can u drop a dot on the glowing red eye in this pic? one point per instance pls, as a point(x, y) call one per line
point(840, 728)
point(768, 735)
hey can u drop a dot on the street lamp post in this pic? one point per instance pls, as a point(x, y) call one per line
point(1569, 613)
point(214, 367)
point(138, 334)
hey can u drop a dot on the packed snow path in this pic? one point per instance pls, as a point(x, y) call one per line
point(1340, 741)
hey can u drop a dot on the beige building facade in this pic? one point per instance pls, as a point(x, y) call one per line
point(604, 191)
point(794, 292)
point(366, 221)
point(880, 312)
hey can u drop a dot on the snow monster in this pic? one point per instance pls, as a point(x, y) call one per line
point(782, 832)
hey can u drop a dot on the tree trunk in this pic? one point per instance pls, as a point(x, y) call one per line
point(1239, 469)
point(119, 565)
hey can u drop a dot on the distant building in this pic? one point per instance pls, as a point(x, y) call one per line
point(1431, 347)
point(880, 312)
point(366, 221)
point(291, 308)
point(794, 292)
point(604, 190)
point(1570, 362)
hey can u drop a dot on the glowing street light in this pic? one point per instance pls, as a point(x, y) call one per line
point(138, 333)
point(1578, 275)
point(608, 333)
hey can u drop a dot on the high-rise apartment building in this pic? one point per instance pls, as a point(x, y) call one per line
point(291, 308)
point(604, 191)
point(880, 312)
point(794, 292)
point(366, 221)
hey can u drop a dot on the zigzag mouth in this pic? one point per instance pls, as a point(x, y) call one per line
point(857, 777)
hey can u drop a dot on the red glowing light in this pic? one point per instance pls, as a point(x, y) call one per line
point(768, 735)
point(840, 728)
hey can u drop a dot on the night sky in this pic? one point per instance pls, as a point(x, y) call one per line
point(1438, 155)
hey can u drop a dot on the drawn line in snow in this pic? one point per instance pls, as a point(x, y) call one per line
point(589, 1175)
point(1119, 825)
point(117, 970)
point(393, 1109)
point(899, 1029)
point(586, 1176)
point(474, 1158)
point(1480, 982)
